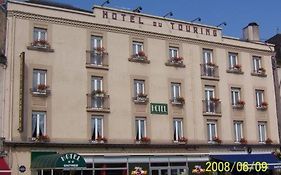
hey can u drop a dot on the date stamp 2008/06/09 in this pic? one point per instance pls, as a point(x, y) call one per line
point(236, 166)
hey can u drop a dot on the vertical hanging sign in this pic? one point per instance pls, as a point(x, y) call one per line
point(21, 92)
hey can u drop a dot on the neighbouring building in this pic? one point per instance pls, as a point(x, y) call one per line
point(111, 91)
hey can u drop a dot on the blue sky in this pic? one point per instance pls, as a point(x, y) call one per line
point(236, 13)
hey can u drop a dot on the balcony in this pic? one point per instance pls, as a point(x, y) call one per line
point(139, 58)
point(212, 107)
point(261, 72)
point(97, 59)
point(176, 62)
point(141, 99)
point(98, 102)
point(40, 91)
point(40, 45)
point(209, 71)
point(236, 69)
point(178, 101)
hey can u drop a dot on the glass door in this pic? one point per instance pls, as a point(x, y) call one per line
point(209, 96)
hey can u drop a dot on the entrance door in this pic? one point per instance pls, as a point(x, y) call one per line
point(160, 171)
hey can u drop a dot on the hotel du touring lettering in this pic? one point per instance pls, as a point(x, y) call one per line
point(119, 92)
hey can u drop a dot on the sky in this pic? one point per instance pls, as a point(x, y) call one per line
point(236, 13)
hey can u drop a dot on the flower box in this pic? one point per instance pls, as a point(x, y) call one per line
point(139, 57)
point(40, 43)
point(42, 87)
point(98, 92)
point(98, 140)
point(243, 141)
point(41, 138)
point(100, 50)
point(144, 140)
point(268, 141)
point(183, 140)
point(237, 66)
point(261, 70)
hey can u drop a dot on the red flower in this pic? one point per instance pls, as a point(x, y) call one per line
point(141, 53)
point(243, 141)
point(268, 141)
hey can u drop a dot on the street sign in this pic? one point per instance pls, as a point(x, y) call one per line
point(22, 169)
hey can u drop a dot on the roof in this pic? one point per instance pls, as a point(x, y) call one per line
point(276, 39)
point(57, 4)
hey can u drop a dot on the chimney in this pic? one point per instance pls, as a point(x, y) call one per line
point(251, 32)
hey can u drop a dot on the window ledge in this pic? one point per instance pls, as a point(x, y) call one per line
point(95, 66)
point(239, 107)
point(41, 49)
point(177, 103)
point(103, 110)
point(38, 93)
point(97, 142)
point(215, 114)
point(258, 74)
point(261, 108)
point(210, 78)
point(139, 60)
point(174, 64)
point(235, 71)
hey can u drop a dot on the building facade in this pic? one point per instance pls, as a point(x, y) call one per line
point(130, 92)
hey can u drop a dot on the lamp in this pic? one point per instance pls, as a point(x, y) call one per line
point(106, 2)
point(223, 23)
point(168, 14)
point(196, 19)
point(138, 9)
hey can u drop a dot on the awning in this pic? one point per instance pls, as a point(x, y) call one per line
point(59, 161)
point(4, 168)
point(270, 159)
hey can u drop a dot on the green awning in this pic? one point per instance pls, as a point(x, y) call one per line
point(59, 161)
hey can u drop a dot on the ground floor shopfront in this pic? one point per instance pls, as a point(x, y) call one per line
point(133, 159)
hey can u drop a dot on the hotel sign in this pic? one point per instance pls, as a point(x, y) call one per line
point(21, 92)
point(159, 108)
point(160, 23)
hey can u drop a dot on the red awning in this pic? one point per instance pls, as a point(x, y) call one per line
point(4, 168)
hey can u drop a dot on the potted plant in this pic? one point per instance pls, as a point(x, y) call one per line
point(211, 64)
point(180, 100)
point(141, 54)
point(217, 140)
point(145, 140)
point(183, 140)
point(42, 138)
point(177, 60)
point(215, 99)
point(241, 102)
point(268, 141)
point(237, 66)
point(42, 88)
point(141, 95)
point(243, 141)
point(40, 43)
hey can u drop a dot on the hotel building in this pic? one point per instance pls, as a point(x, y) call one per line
point(112, 91)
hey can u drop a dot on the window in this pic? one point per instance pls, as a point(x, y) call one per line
point(207, 56)
point(139, 87)
point(96, 50)
point(176, 91)
point(262, 131)
point(173, 52)
point(238, 131)
point(38, 124)
point(39, 78)
point(97, 90)
point(97, 127)
point(211, 130)
point(259, 98)
point(137, 47)
point(178, 129)
point(233, 60)
point(140, 128)
point(256, 64)
point(235, 96)
point(39, 34)
point(96, 83)
point(96, 42)
point(210, 104)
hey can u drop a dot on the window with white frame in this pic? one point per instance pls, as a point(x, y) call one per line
point(39, 34)
point(175, 91)
point(139, 87)
point(173, 52)
point(259, 98)
point(97, 83)
point(262, 131)
point(140, 128)
point(235, 95)
point(39, 77)
point(137, 47)
point(238, 130)
point(256, 64)
point(97, 127)
point(233, 60)
point(211, 130)
point(38, 124)
point(207, 56)
point(96, 42)
point(178, 129)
